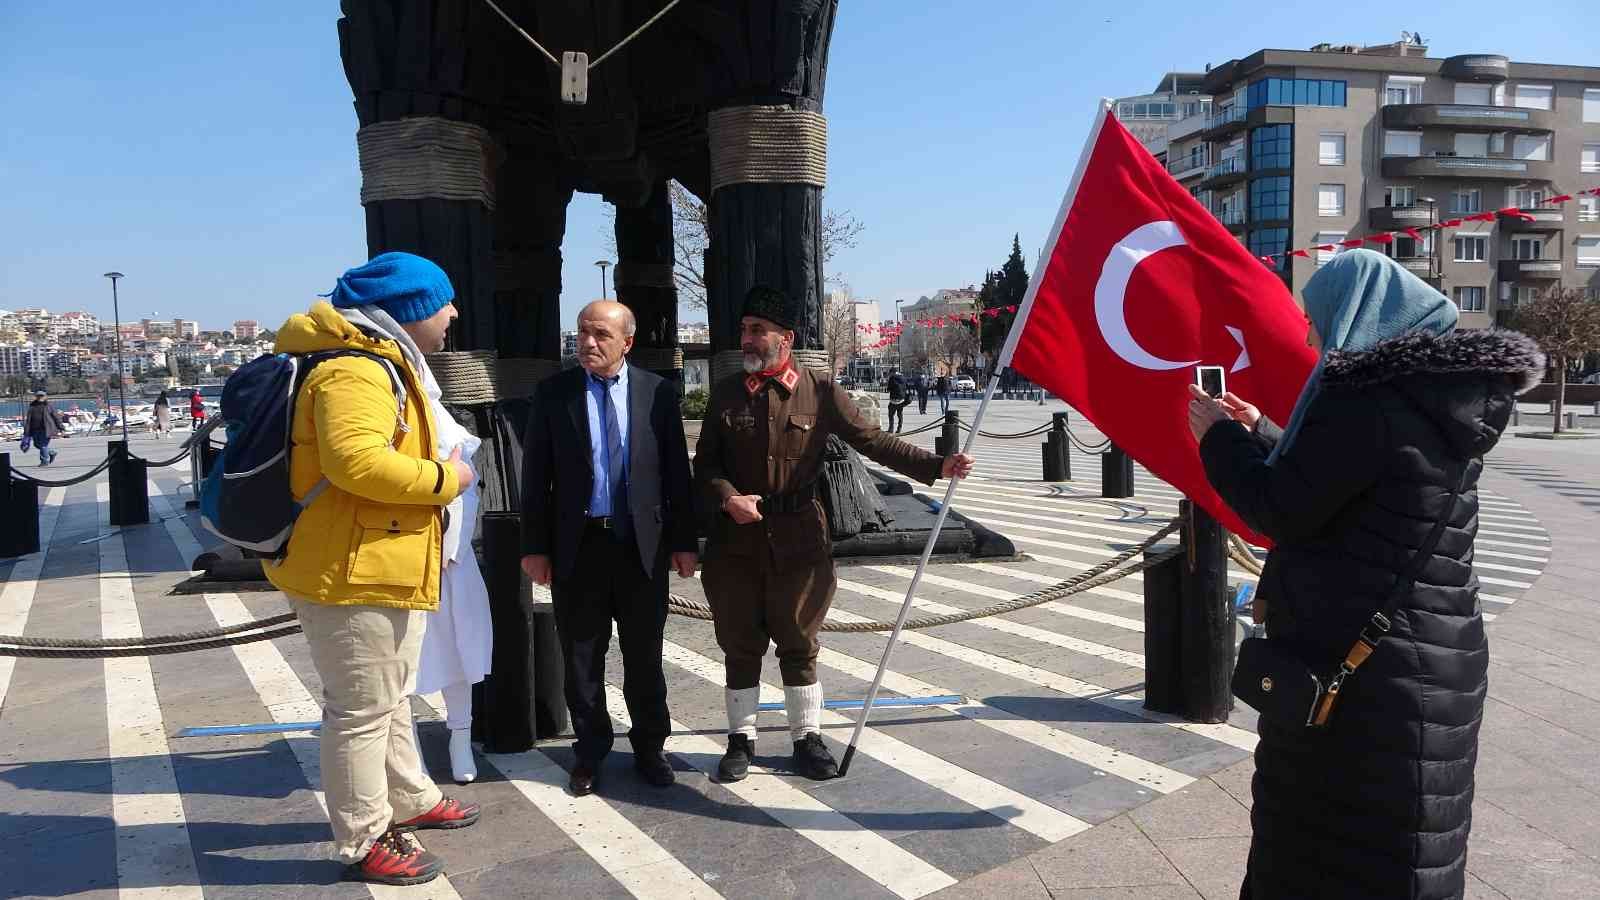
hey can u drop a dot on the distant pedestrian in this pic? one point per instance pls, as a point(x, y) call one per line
point(922, 394)
point(43, 423)
point(942, 387)
point(163, 414)
point(899, 399)
point(197, 410)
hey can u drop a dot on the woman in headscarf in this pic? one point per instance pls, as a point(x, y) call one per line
point(1378, 804)
point(163, 409)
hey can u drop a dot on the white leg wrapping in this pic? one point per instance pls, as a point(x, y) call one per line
point(804, 706)
point(742, 705)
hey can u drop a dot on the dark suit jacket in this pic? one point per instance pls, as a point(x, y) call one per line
point(558, 477)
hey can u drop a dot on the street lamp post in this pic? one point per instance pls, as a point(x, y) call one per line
point(1437, 266)
point(602, 263)
point(116, 317)
point(899, 336)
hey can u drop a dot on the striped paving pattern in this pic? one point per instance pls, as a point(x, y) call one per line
point(99, 796)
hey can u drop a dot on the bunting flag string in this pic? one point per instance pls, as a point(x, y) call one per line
point(891, 332)
point(1415, 232)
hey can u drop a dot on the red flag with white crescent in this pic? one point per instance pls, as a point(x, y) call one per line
point(1139, 284)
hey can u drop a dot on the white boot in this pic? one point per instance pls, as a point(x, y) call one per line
point(462, 765)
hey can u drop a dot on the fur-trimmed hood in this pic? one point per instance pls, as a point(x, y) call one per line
point(1465, 381)
point(1486, 352)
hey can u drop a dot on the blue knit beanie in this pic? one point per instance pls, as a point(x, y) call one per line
point(404, 285)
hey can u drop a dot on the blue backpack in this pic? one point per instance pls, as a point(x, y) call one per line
point(245, 499)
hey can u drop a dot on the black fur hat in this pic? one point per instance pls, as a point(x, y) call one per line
point(771, 304)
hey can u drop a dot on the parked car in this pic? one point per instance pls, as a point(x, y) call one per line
point(844, 381)
point(964, 383)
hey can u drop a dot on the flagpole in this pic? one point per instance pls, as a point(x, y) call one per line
point(916, 578)
point(1003, 360)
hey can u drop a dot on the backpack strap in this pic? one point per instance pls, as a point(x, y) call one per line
point(312, 360)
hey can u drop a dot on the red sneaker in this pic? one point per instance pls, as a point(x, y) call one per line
point(449, 813)
point(398, 859)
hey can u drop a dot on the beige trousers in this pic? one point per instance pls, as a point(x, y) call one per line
point(372, 774)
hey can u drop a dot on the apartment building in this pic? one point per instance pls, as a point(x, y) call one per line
point(1313, 147)
point(1150, 117)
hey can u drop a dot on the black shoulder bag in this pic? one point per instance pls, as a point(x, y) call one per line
point(1283, 688)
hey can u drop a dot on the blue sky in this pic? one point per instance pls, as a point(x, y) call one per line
point(207, 149)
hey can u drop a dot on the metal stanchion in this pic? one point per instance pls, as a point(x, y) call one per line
point(949, 435)
point(1189, 625)
point(19, 513)
point(130, 491)
point(1116, 473)
point(1057, 450)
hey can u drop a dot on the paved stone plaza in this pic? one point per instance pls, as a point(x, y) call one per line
point(1046, 779)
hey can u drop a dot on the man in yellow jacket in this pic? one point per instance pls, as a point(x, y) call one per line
point(363, 561)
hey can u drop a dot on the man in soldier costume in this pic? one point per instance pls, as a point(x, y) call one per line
point(768, 571)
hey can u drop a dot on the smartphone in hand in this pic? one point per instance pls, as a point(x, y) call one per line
point(1211, 380)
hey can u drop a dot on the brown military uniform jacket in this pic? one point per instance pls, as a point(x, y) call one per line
point(770, 443)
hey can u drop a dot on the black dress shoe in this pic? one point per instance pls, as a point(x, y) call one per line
point(812, 759)
point(583, 777)
point(654, 768)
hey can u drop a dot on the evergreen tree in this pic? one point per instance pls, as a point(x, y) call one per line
point(1000, 290)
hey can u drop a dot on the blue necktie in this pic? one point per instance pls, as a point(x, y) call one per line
point(616, 478)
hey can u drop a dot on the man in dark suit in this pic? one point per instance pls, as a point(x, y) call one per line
point(605, 502)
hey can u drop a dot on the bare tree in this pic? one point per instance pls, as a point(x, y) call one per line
point(1566, 323)
point(954, 345)
point(691, 237)
point(840, 336)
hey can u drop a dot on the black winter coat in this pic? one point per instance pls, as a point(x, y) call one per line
point(1379, 805)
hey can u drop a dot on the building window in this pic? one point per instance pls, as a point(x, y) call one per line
point(1270, 242)
point(1294, 92)
point(1531, 146)
point(1411, 248)
point(1532, 96)
point(1403, 196)
point(1269, 198)
point(1589, 209)
point(1590, 161)
point(1472, 94)
point(1402, 89)
point(1325, 239)
point(1591, 104)
point(1272, 147)
point(1471, 299)
point(1588, 250)
point(1527, 248)
point(1497, 142)
point(1466, 201)
point(1472, 248)
point(1330, 199)
point(1527, 198)
point(1402, 143)
point(1330, 148)
point(1472, 145)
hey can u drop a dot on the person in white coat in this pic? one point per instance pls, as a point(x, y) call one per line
point(459, 640)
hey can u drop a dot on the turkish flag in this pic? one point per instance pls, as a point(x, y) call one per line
point(1140, 284)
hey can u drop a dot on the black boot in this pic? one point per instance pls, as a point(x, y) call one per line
point(812, 759)
point(735, 763)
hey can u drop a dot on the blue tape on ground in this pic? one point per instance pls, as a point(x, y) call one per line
point(216, 730)
point(937, 700)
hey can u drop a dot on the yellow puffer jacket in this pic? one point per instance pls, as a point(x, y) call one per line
point(373, 536)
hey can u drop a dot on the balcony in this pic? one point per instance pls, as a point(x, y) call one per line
point(1417, 265)
point(1459, 167)
point(1543, 220)
point(1228, 120)
point(1529, 269)
point(1476, 67)
point(1398, 218)
point(1182, 128)
point(1233, 218)
point(1188, 167)
point(1227, 171)
point(1465, 117)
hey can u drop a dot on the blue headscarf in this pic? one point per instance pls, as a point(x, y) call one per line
point(1356, 301)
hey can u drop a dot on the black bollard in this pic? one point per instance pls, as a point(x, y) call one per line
point(1057, 450)
point(1116, 473)
point(521, 699)
point(130, 490)
point(19, 513)
point(1189, 625)
point(949, 439)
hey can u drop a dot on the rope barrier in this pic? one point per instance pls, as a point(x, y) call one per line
point(69, 482)
point(184, 638)
point(1092, 578)
point(160, 650)
point(200, 434)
